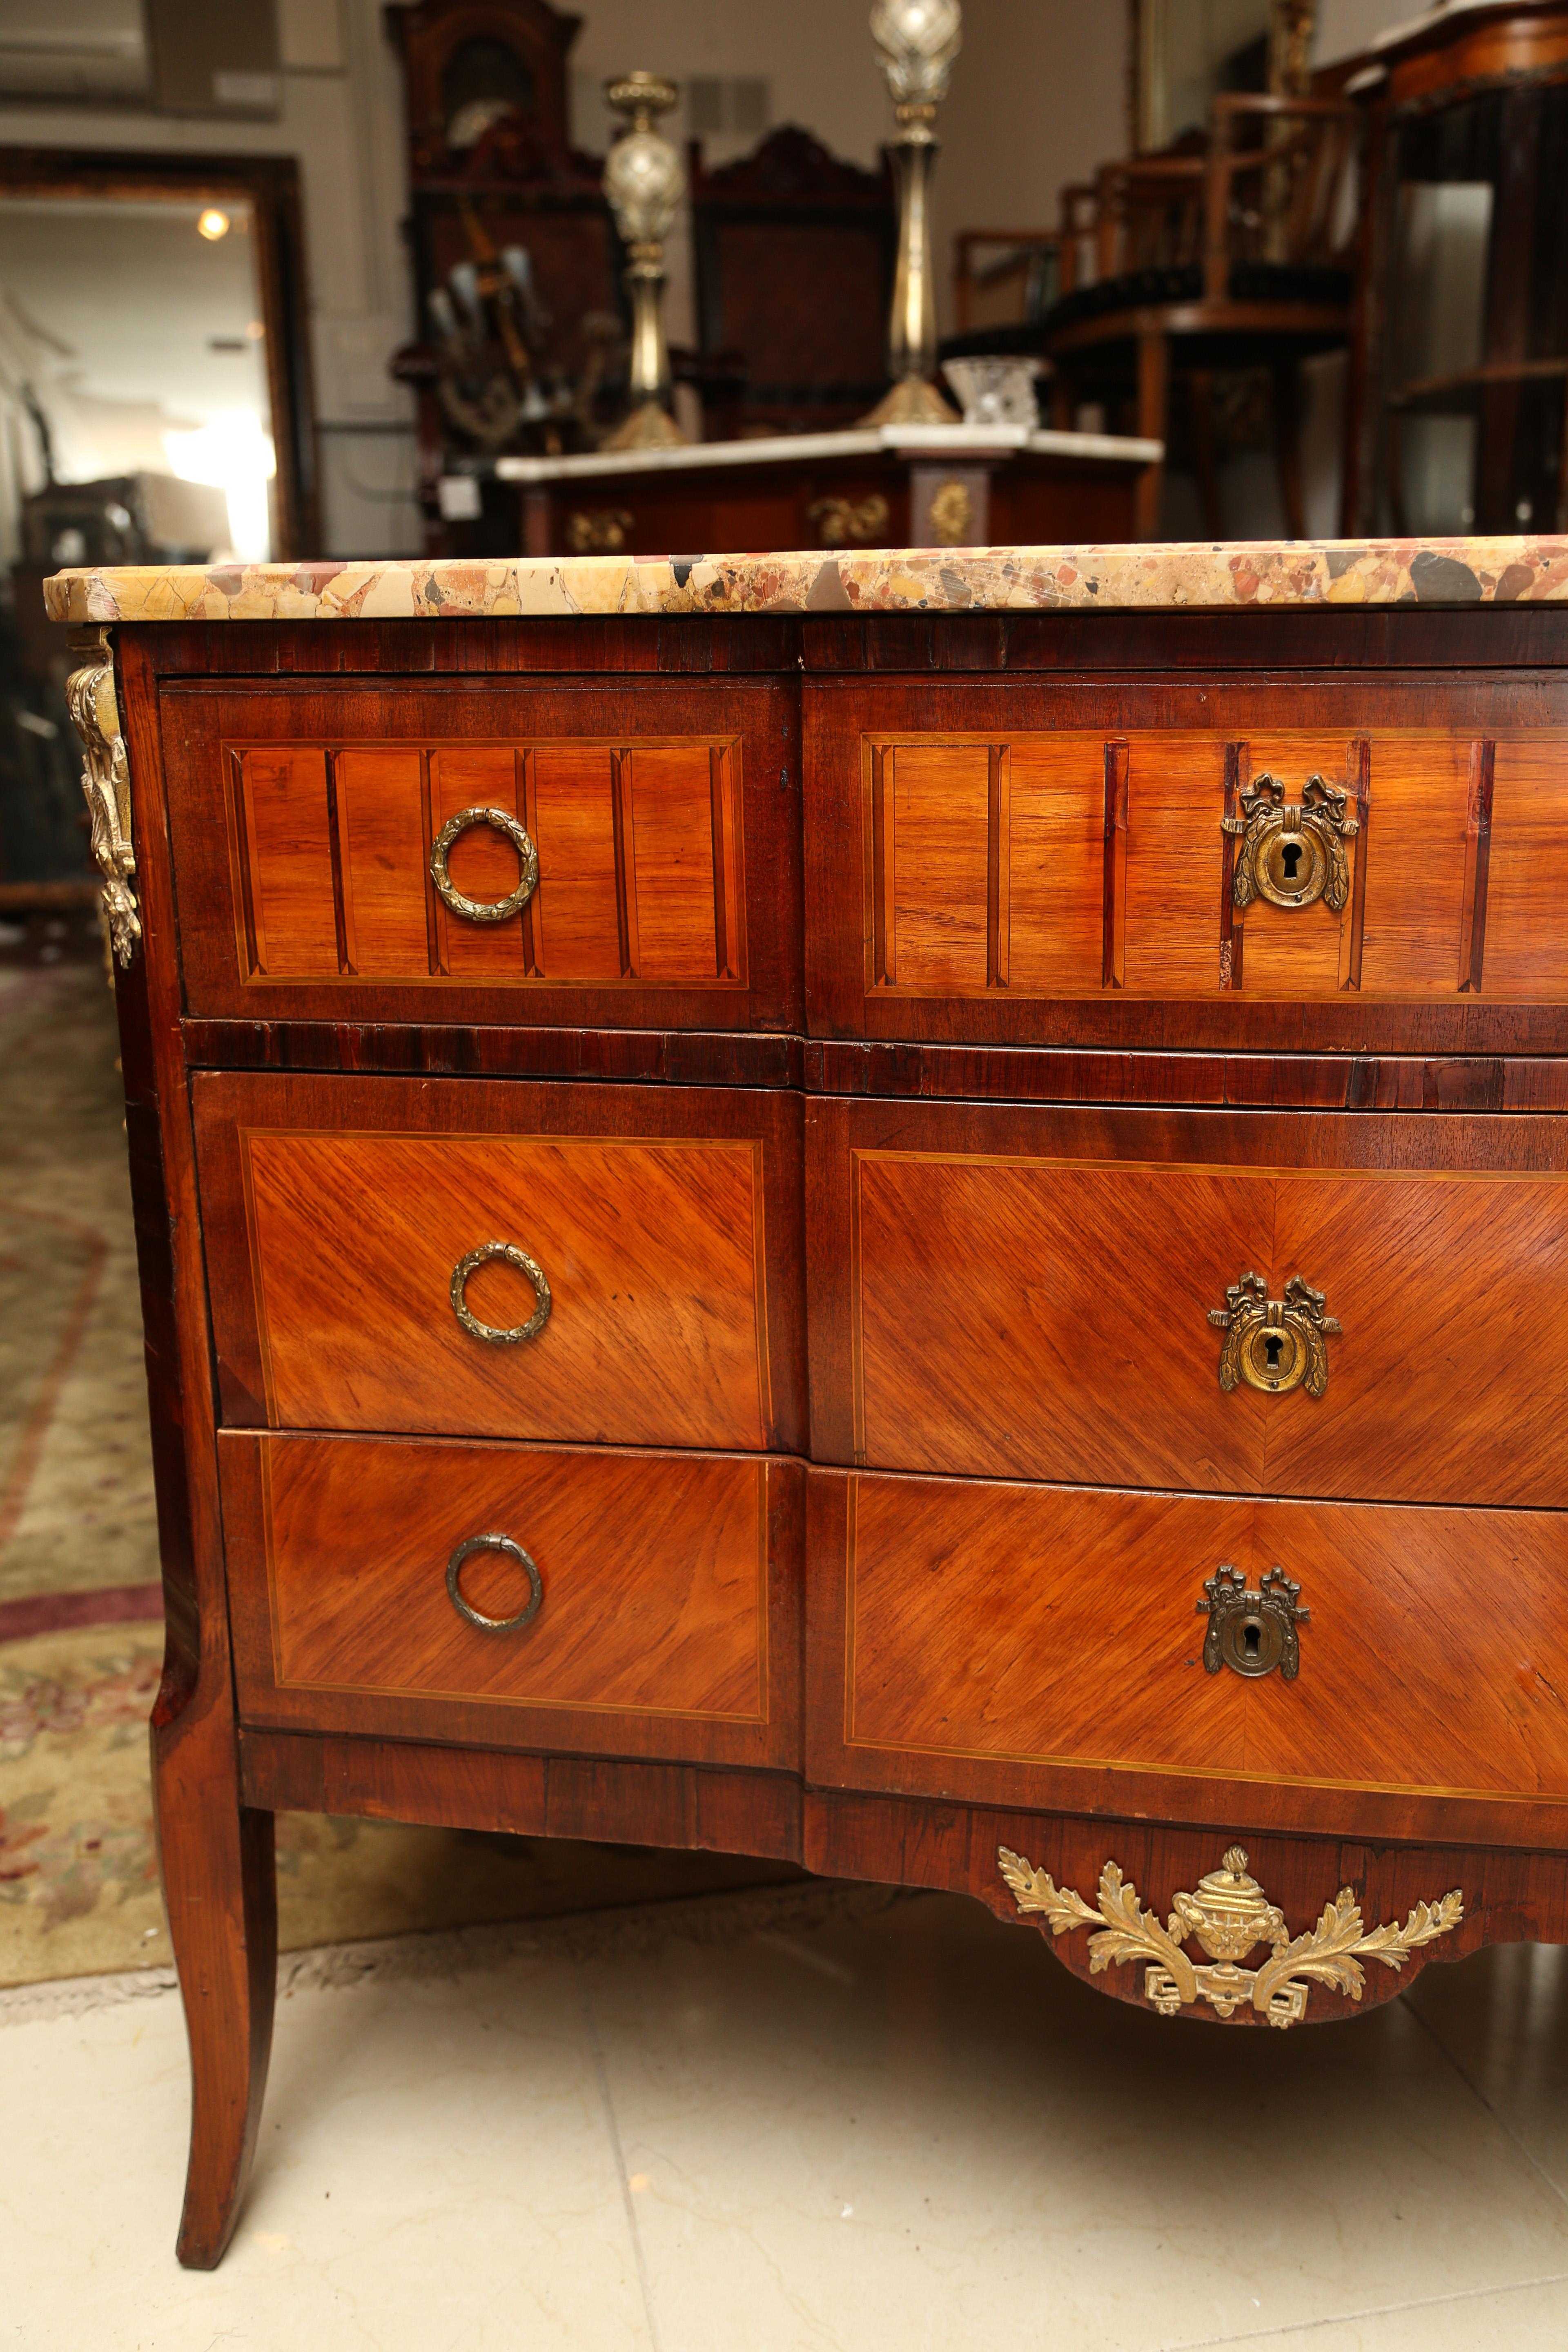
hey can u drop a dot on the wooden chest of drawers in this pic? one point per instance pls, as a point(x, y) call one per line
point(910, 1212)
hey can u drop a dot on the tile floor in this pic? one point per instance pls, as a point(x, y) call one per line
point(795, 2122)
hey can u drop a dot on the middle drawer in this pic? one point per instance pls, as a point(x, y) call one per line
point(502, 1258)
point(1360, 1305)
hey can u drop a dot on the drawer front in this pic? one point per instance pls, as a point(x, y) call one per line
point(303, 827)
point(640, 1245)
point(1032, 1292)
point(1022, 1645)
point(665, 1622)
point(1289, 864)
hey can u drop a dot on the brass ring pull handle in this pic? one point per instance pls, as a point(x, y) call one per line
point(496, 1335)
point(463, 1553)
point(1292, 853)
point(1274, 1344)
point(482, 910)
point(1252, 1628)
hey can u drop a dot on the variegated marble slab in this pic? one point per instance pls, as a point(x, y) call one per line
point(927, 580)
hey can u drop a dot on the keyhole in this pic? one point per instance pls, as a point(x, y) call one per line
point(1272, 1346)
point(1250, 1638)
point(1290, 853)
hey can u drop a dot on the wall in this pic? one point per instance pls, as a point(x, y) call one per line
point(342, 118)
point(1037, 98)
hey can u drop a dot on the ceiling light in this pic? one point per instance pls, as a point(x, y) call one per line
point(212, 224)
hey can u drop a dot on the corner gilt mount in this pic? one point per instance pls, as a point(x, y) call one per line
point(105, 782)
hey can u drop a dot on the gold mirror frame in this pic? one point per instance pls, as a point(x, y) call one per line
point(1292, 24)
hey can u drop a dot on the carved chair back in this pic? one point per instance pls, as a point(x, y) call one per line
point(1274, 184)
point(793, 253)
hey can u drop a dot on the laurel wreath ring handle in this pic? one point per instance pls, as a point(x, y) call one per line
point(484, 910)
point(465, 1609)
point(500, 1334)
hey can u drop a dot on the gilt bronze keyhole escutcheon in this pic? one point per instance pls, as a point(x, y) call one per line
point(1292, 853)
point(1274, 1344)
point(1252, 1628)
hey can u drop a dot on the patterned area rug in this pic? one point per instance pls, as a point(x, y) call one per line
point(80, 1644)
point(75, 1476)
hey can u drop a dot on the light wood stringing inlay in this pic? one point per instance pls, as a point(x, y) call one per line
point(657, 1333)
point(641, 861)
point(1039, 1625)
point(654, 1568)
point(1067, 864)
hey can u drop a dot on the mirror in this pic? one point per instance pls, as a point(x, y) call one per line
point(154, 408)
point(132, 377)
point(1184, 53)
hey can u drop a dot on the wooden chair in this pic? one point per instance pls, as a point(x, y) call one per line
point(1233, 258)
point(794, 253)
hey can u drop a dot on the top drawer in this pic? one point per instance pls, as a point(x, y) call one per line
point(303, 825)
point(1351, 864)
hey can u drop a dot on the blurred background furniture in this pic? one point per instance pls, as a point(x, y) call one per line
point(794, 258)
point(517, 265)
point(1461, 364)
point(1237, 258)
point(887, 486)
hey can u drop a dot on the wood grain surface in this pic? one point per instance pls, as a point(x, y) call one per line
point(608, 1798)
point(1013, 1643)
point(215, 1850)
point(910, 1841)
point(1453, 1082)
point(667, 825)
point(666, 1221)
point(333, 847)
point(528, 650)
point(1083, 921)
point(668, 1623)
point(1026, 1292)
point(1162, 916)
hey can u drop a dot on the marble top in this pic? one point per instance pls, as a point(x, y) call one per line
point(910, 441)
point(1198, 575)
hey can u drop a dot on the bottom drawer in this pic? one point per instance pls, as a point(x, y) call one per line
point(1044, 1645)
point(659, 1616)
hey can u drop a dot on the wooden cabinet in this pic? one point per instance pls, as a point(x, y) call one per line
point(1061, 853)
point(318, 894)
point(1033, 1292)
point(652, 1296)
point(649, 1605)
point(886, 1312)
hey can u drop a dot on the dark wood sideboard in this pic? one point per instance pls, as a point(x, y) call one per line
point(882, 487)
point(969, 1289)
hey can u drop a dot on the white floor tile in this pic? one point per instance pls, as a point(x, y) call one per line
point(895, 2130)
point(949, 2140)
point(1502, 2018)
point(1514, 2319)
point(435, 2171)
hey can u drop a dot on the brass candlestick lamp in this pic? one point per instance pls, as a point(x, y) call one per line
point(643, 183)
point(919, 40)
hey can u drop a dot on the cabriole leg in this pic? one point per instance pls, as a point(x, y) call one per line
point(220, 1885)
